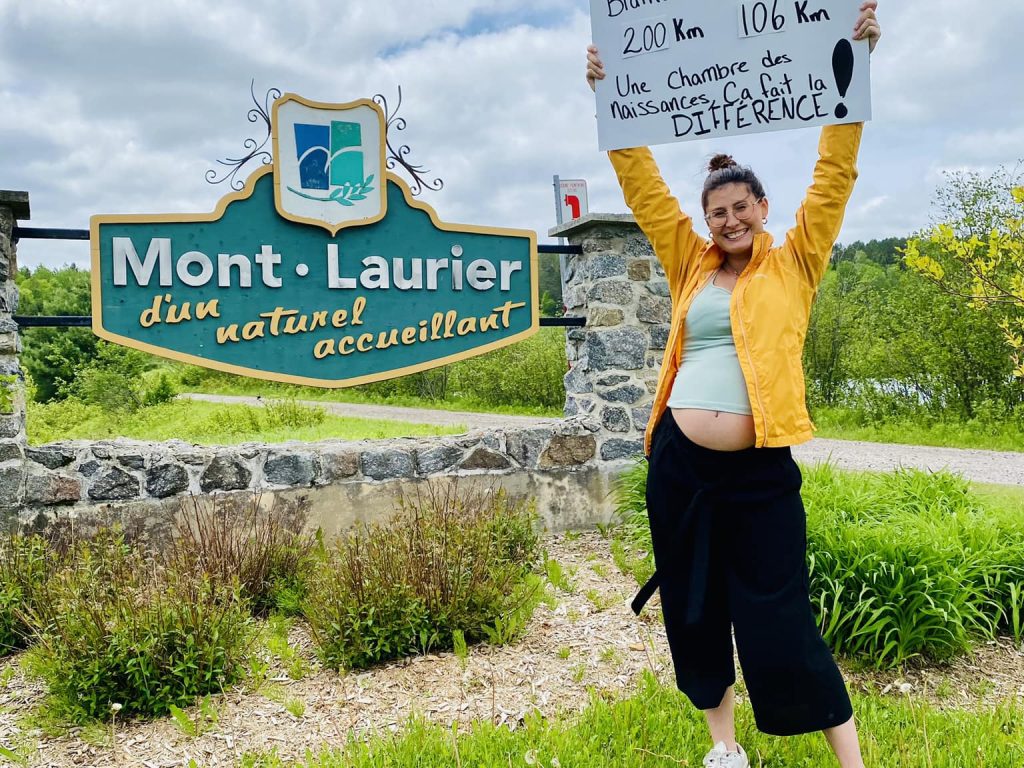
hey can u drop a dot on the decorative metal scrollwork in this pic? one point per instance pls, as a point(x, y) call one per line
point(399, 157)
point(259, 112)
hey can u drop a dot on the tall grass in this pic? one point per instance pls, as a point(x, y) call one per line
point(992, 433)
point(904, 566)
point(26, 565)
point(264, 553)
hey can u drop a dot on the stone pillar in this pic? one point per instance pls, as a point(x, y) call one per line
point(13, 207)
point(620, 288)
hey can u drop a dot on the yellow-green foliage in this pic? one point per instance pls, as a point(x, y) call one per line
point(7, 384)
point(978, 251)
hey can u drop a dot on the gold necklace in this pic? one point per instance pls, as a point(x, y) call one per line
point(730, 268)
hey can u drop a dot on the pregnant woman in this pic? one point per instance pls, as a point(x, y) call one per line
point(723, 492)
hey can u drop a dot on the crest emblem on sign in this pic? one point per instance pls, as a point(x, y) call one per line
point(329, 162)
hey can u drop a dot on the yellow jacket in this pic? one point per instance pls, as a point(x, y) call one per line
point(771, 304)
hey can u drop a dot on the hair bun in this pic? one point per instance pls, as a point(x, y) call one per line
point(720, 162)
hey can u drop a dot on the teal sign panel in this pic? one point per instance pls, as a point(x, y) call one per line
point(309, 296)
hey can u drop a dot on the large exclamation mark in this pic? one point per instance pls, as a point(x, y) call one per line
point(842, 68)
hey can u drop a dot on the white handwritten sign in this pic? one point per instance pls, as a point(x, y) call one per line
point(678, 70)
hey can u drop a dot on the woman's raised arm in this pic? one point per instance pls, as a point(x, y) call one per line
point(657, 212)
point(821, 214)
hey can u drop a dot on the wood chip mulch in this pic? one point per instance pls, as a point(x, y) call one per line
point(589, 640)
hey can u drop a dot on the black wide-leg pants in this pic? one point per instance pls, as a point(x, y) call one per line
point(730, 543)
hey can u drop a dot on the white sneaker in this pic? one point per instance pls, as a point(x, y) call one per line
point(720, 757)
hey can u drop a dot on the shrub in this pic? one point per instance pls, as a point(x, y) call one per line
point(910, 565)
point(262, 553)
point(26, 563)
point(116, 631)
point(289, 413)
point(194, 376)
point(448, 561)
point(241, 420)
point(112, 379)
point(109, 390)
point(528, 373)
point(161, 392)
point(905, 565)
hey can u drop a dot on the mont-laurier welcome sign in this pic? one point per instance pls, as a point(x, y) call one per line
point(322, 270)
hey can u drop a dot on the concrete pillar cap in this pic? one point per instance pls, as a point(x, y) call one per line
point(589, 221)
point(17, 202)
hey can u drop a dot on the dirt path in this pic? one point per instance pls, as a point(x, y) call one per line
point(1006, 468)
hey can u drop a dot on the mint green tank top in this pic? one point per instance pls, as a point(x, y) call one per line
point(709, 376)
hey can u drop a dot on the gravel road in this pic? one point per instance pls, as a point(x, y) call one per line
point(1006, 468)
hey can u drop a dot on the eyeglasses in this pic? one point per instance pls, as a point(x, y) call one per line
point(742, 210)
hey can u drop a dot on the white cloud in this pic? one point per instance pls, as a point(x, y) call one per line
point(112, 106)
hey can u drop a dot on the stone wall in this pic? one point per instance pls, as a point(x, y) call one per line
point(13, 207)
point(568, 466)
point(97, 480)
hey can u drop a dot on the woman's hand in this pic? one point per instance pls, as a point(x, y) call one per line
point(866, 26)
point(595, 69)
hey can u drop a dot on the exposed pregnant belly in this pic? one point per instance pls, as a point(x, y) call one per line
point(716, 430)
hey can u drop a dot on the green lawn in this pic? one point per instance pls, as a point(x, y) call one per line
point(211, 424)
point(843, 424)
point(1006, 496)
point(657, 728)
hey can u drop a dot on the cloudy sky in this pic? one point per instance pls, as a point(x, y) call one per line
point(121, 106)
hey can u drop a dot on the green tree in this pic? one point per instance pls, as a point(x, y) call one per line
point(831, 335)
point(920, 348)
point(976, 251)
point(549, 281)
point(887, 342)
point(883, 252)
point(53, 356)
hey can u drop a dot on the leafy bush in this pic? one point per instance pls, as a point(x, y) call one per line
point(275, 414)
point(448, 561)
point(162, 391)
point(118, 633)
point(262, 553)
point(26, 563)
point(112, 380)
point(905, 565)
point(530, 373)
point(289, 413)
point(910, 565)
